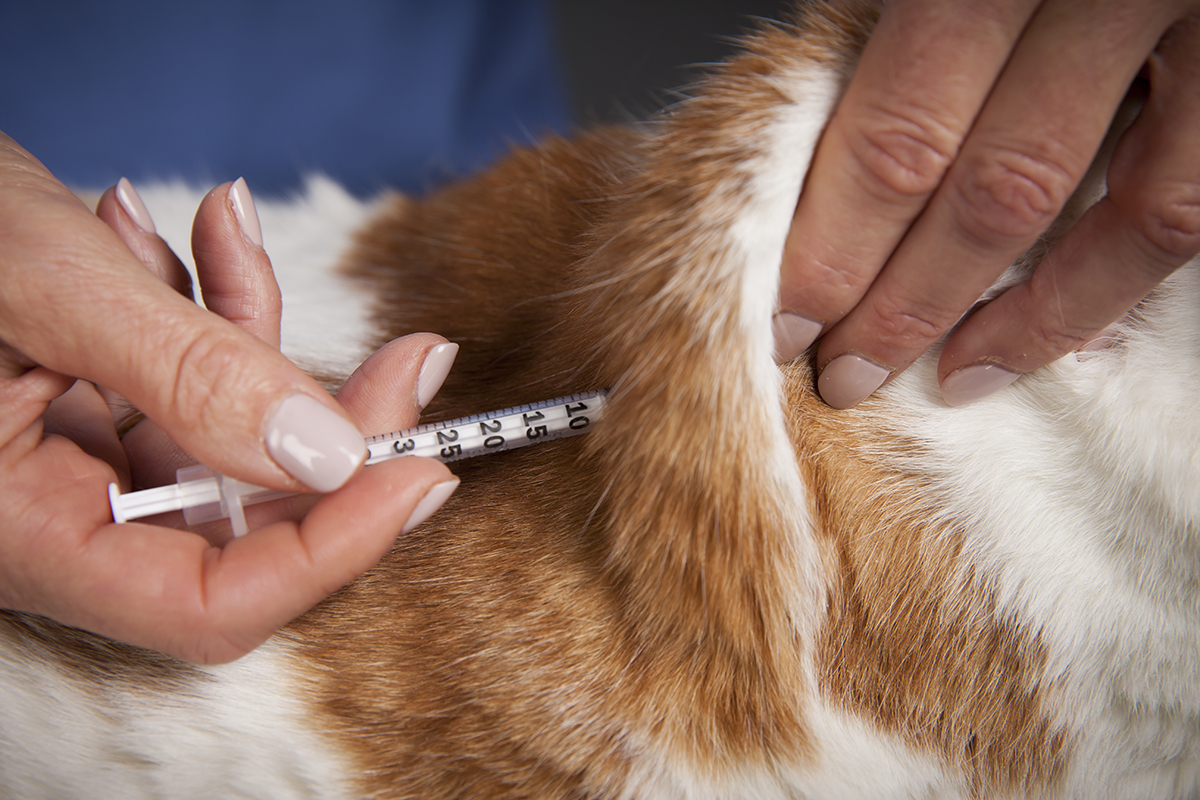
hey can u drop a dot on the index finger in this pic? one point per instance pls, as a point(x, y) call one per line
point(77, 302)
point(896, 131)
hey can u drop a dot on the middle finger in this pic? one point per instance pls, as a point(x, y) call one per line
point(912, 100)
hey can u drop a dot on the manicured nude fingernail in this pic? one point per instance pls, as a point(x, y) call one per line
point(246, 213)
point(849, 379)
point(969, 384)
point(433, 373)
point(133, 205)
point(430, 503)
point(794, 333)
point(314, 444)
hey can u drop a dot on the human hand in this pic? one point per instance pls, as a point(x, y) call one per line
point(76, 303)
point(960, 137)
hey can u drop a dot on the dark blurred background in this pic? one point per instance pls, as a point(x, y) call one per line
point(623, 57)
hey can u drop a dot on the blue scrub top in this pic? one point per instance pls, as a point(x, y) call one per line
point(374, 93)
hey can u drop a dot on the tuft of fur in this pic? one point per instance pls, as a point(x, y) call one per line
point(727, 589)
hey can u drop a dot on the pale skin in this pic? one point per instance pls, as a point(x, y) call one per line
point(960, 137)
point(102, 303)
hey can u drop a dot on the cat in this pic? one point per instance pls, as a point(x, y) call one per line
point(727, 589)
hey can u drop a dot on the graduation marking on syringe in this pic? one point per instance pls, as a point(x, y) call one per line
point(203, 495)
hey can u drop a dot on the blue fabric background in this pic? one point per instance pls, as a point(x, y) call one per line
point(372, 92)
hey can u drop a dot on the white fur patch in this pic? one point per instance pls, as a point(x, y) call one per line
point(854, 761)
point(858, 762)
point(757, 237)
point(243, 732)
point(1078, 486)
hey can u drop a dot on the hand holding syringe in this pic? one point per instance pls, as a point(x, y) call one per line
point(203, 495)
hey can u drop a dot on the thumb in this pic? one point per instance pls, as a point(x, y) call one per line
point(78, 302)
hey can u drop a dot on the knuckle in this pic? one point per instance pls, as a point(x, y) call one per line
point(1049, 334)
point(1009, 195)
point(836, 286)
point(910, 326)
point(1051, 339)
point(904, 153)
point(210, 360)
point(1170, 223)
point(824, 281)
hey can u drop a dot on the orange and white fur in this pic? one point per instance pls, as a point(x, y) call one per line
point(727, 589)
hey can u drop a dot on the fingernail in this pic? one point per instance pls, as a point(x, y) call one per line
point(1100, 342)
point(794, 333)
point(133, 205)
point(430, 503)
point(244, 210)
point(433, 373)
point(314, 444)
point(969, 384)
point(849, 379)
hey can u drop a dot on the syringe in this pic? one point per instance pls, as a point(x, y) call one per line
point(203, 495)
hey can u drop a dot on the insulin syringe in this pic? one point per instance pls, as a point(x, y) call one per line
point(203, 495)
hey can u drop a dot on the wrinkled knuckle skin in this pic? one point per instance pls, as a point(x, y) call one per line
point(901, 157)
point(211, 360)
point(1051, 341)
point(1011, 197)
point(908, 327)
point(834, 287)
point(1170, 222)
